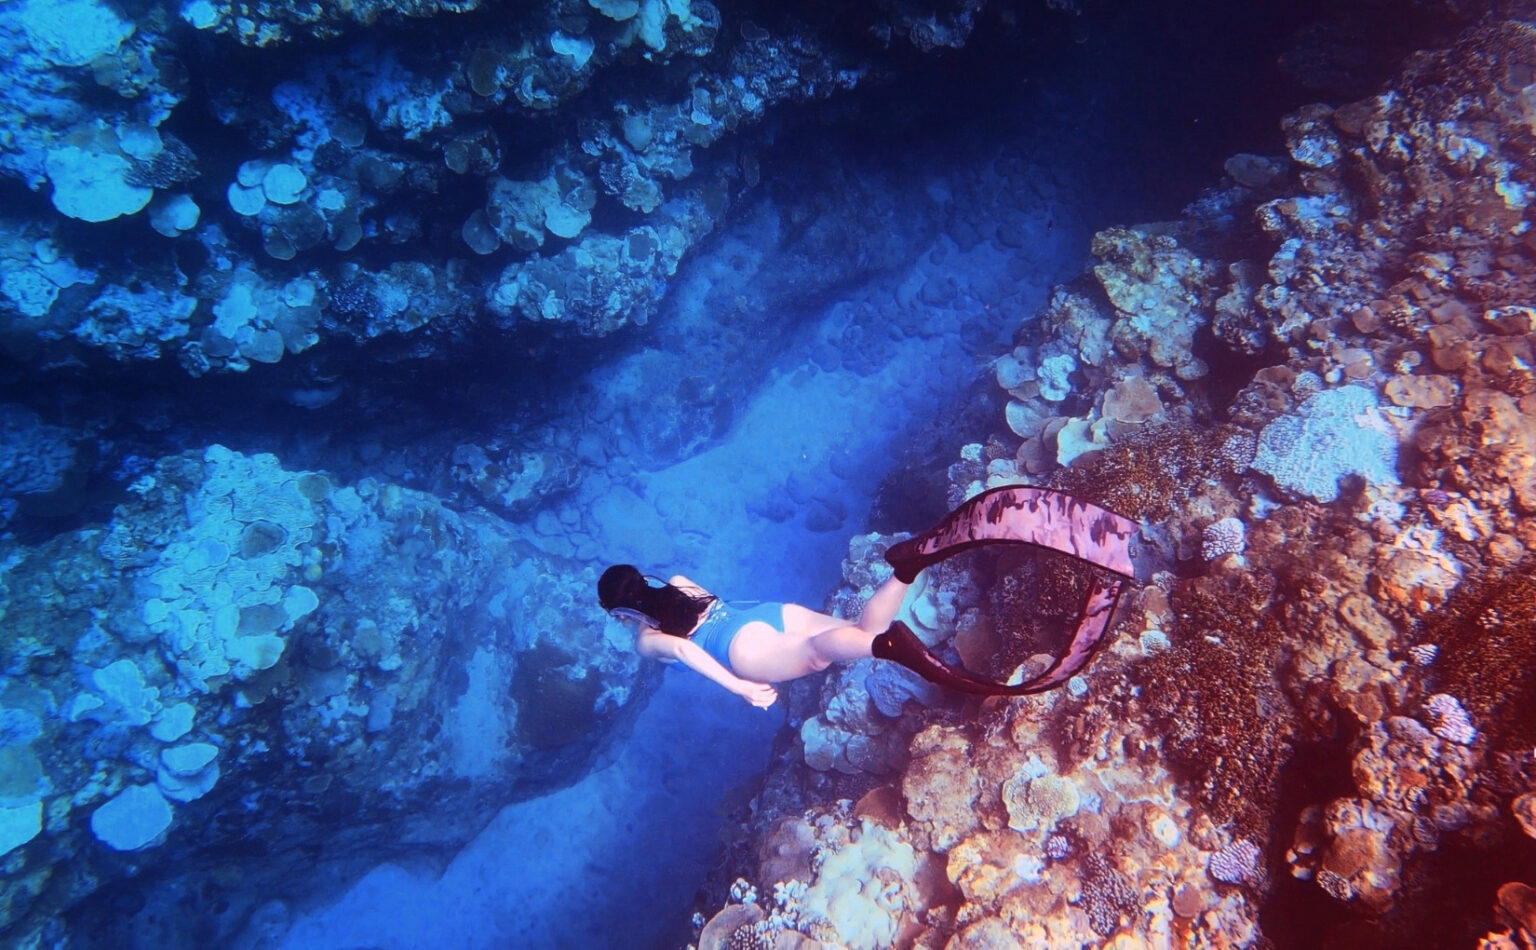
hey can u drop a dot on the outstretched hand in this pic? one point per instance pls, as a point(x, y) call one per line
point(760, 695)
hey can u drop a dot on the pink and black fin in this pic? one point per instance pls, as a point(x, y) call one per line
point(1018, 514)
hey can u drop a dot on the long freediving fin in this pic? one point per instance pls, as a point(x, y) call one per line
point(1022, 514)
point(1018, 514)
point(900, 645)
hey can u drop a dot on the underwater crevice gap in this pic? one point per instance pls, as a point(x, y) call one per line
point(916, 157)
point(899, 237)
point(1317, 771)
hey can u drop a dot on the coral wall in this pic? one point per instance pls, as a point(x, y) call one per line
point(1316, 390)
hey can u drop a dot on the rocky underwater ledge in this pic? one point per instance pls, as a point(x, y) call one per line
point(1316, 389)
point(249, 670)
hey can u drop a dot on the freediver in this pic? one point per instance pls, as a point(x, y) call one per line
point(748, 647)
point(745, 648)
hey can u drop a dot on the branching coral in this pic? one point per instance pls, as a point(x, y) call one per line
point(1107, 895)
point(1217, 697)
point(1227, 536)
point(1146, 475)
point(1487, 639)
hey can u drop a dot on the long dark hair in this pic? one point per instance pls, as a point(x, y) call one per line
point(675, 611)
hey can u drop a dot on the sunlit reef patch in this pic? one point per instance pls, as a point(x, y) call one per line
point(1333, 656)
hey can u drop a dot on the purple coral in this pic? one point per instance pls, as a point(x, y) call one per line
point(1237, 863)
point(1449, 720)
point(1108, 895)
point(1226, 536)
point(1057, 847)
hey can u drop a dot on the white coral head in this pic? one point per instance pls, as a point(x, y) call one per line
point(1449, 720)
point(1227, 536)
point(1237, 863)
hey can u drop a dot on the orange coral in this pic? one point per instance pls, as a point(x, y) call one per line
point(1218, 699)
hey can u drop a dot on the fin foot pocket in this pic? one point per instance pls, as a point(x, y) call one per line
point(1017, 514)
point(900, 645)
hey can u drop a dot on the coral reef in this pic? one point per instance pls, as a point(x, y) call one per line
point(997, 837)
point(1486, 635)
point(1515, 910)
point(1220, 538)
point(100, 155)
point(240, 638)
point(37, 457)
point(1313, 390)
point(482, 146)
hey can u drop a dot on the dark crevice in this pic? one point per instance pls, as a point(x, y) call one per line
point(1297, 911)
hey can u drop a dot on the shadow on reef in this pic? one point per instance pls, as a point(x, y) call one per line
point(350, 410)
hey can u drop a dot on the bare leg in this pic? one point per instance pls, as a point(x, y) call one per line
point(882, 607)
point(853, 643)
point(813, 641)
point(839, 644)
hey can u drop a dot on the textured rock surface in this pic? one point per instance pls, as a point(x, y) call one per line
point(373, 143)
point(231, 658)
point(243, 650)
point(1377, 627)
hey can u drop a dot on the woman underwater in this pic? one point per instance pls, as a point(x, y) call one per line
point(743, 647)
point(747, 647)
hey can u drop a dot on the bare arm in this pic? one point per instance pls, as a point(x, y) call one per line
point(687, 586)
point(661, 646)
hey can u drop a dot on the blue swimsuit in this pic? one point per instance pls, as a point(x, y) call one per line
point(725, 620)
